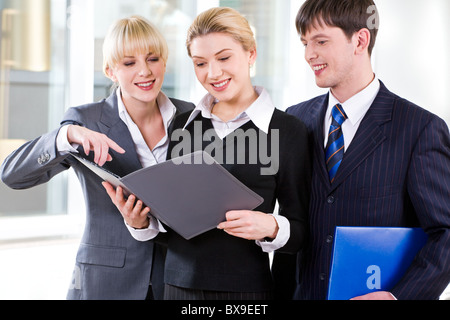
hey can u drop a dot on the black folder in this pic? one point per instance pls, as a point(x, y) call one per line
point(190, 194)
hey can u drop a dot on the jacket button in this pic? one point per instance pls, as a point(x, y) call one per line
point(322, 276)
point(44, 158)
point(331, 200)
point(330, 239)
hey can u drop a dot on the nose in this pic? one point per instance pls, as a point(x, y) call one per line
point(310, 53)
point(214, 71)
point(145, 70)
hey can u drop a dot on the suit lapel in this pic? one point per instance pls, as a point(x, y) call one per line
point(369, 136)
point(111, 125)
point(318, 114)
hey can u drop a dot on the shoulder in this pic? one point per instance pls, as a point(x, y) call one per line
point(309, 111)
point(307, 106)
point(86, 112)
point(291, 130)
point(92, 111)
point(285, 121)
point(182, 106)
point(180, 120)
point(408, 113)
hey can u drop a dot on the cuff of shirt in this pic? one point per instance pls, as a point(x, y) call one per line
point(284, 232)
point(62, 143)
point(150, 233)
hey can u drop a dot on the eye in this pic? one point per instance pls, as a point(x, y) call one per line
point(153, 59)
point(224, 59)
point(321, 43)
point(128, 64)
point(199, 64)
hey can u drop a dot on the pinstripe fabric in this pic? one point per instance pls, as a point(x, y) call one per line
point(396, 173)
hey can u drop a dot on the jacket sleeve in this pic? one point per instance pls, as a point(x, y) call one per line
point(293, 185)
point(34, 163)
point(428, 187)
point(37, 161)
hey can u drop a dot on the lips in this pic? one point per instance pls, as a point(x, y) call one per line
point(222, 85)
point(318, 68)
point(146, 85)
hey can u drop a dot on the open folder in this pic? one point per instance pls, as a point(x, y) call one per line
point(370, 259)
point(190, 194)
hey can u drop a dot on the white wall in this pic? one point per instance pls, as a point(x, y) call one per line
point(412, 52)
point(411, 55)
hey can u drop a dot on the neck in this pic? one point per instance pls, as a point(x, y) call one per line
point(353, 84)
point(228, 110)
point(141, 113)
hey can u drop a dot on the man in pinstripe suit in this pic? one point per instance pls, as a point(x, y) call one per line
point(395, 169)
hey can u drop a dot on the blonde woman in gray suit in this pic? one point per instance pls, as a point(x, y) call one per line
point(123, 133)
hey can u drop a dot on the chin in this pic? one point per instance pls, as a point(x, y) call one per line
point(324, 84)
point(321, 84)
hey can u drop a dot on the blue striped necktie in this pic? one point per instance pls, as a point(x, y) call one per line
point(334, 151)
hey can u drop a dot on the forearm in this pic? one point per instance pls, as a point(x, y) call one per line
point(34, 163)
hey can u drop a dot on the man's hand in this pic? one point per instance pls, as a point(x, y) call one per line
point(380, 295)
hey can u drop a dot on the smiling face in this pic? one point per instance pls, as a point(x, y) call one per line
point(140, 77)
point(330, 55)
point(134, 57)
point(223, 66)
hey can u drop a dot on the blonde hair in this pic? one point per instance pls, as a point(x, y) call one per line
point(222, 20)
point(132, 35)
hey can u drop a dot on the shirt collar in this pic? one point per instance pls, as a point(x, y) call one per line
point(260, 112)
point(357, 106)
point(166, 107)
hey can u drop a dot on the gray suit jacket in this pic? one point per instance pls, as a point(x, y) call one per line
point(110, 264)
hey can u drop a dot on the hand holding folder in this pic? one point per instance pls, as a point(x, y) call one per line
point(135, 213)
point(190, 194)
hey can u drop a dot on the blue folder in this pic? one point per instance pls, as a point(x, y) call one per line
point(370, 259)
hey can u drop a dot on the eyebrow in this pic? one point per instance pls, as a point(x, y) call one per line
point(221, 51)
point(320, 35)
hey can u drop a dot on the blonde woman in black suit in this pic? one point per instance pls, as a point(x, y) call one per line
point(232, 262)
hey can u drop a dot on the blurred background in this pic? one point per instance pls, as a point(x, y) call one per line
point(51, 59)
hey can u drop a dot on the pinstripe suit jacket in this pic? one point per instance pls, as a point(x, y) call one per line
point(395, 173)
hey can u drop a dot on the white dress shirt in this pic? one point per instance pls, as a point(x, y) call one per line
point(356, 108)
point(260, 113)
point(146, 156)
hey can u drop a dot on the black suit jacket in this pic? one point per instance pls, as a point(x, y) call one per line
point(395, 173)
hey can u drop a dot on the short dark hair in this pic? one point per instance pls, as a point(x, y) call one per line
point(348, 15)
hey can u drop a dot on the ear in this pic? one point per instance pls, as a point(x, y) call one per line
point(110, 74)
point(252, 57)
point(362, 41)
